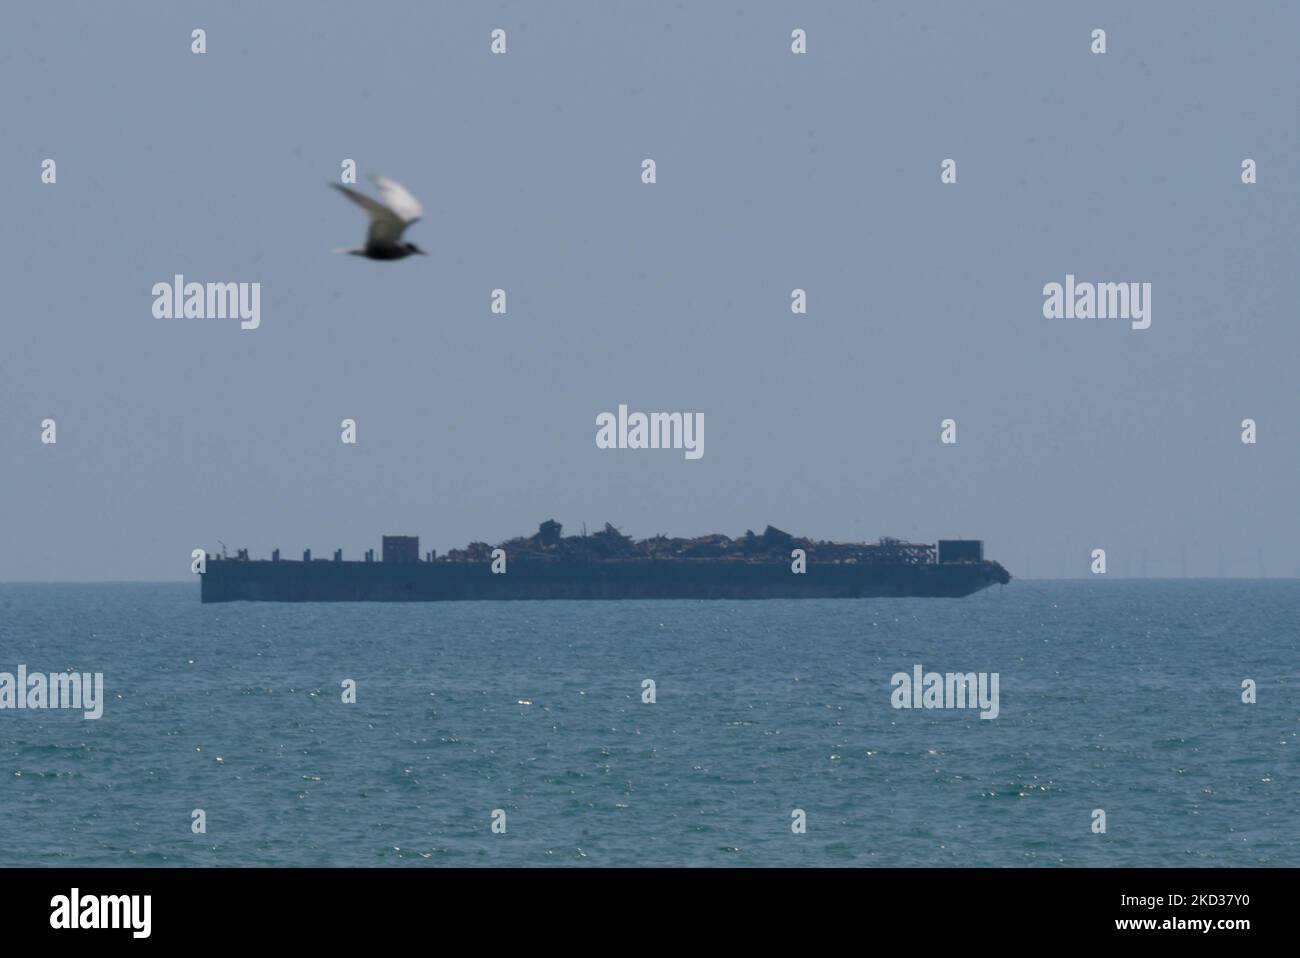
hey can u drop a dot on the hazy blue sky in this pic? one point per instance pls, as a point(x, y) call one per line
point(775, 171)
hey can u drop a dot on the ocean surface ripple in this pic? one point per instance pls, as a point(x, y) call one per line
point(1122, 695)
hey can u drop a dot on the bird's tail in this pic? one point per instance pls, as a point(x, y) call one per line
point(355, 252)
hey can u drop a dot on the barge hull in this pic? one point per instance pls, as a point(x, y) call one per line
point(339, 581)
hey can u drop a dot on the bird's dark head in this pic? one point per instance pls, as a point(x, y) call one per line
point(412, 248)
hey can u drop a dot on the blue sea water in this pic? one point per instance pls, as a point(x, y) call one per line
point(1119, 695)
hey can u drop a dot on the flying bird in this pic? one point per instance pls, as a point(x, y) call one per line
point(388, 220)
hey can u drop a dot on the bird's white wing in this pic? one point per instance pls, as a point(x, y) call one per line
point(386, 225)
point(399, 199)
